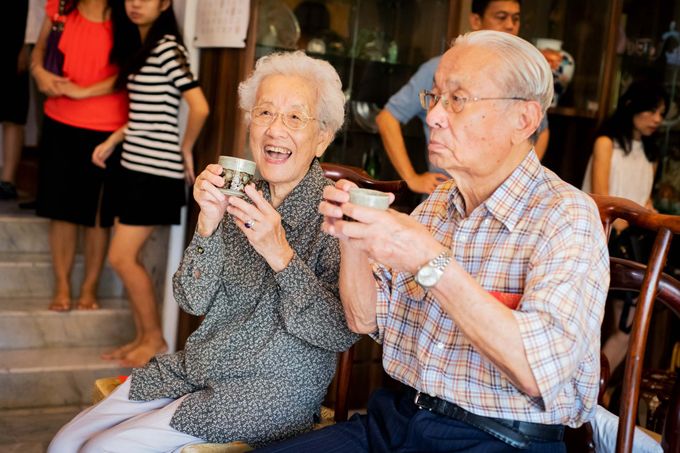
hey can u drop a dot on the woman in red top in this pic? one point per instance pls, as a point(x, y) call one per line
point(81, 111)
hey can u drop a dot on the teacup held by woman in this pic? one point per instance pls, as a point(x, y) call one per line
point(237, 174)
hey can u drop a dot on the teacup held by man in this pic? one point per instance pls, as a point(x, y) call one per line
point(237, 174)
point(369, 198)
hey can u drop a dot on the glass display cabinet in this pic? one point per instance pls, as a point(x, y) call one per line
point(374, 45)
point(648, 46)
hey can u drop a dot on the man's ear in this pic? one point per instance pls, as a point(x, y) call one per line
point(528, 116)
point(475, 21)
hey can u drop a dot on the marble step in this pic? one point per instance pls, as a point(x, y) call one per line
point(23, 231)
point(27, 323)
point(30, 275)
point(53, 376)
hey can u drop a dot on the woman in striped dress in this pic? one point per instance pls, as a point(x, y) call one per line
point(153, 164)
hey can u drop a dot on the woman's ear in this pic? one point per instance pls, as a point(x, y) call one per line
point(165, 4)
point(324, 139)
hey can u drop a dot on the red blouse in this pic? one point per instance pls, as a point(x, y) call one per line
point(86, 46)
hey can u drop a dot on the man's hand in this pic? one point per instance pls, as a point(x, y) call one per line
point(388, 237)
point(425, 182)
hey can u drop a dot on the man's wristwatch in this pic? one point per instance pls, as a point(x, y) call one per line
point(429, 274)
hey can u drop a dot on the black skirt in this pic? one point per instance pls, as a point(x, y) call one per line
point(69, 184)
point(142, 199)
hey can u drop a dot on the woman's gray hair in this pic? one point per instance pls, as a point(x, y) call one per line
point(524, 73)
point(330, 104)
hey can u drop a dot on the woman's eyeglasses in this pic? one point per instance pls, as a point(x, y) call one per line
point(295, 119)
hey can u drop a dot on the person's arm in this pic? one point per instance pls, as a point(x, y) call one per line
point(100, 88)
point(197, 283)
point(47, 82)
point(541, 145)
point(198, 112)
point(393, 141)
point(310, 304)
point(602, 163)
point(104, 150)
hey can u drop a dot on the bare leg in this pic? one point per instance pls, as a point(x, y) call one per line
point(120, 352)
point(124, 256)
point(12, 144)
point(63, 237)
point(96, 240)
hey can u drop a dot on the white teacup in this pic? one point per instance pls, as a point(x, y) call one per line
point(237, 173)
point(369, 198)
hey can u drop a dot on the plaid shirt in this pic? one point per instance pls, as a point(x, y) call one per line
point(536, 237)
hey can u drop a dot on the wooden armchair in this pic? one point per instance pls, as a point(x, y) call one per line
point(339, 412)
point(652, 285)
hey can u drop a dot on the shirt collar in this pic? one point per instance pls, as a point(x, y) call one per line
point(301, 204)
point(508, 201)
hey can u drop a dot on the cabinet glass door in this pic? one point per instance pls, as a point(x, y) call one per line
point(649, 47)
point(375, 45)
point(579, 28)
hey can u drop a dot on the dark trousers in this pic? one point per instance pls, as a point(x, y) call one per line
point(394, 424)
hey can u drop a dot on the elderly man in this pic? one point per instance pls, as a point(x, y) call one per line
point(499, 15)
point(488, 299)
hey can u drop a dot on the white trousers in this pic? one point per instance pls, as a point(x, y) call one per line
point(117, 424)
point(606, 426)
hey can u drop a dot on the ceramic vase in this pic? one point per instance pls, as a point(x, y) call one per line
point(563, 73)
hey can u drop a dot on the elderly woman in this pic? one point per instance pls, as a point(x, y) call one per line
point(264, 277)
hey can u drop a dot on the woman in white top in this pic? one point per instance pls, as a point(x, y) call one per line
point(623, 165)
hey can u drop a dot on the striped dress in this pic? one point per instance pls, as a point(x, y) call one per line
point(151, 142)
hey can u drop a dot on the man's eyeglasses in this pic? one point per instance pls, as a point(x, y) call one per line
point(295, 119)
point(453, 103)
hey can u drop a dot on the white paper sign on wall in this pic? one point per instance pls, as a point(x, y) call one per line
point(222, 23)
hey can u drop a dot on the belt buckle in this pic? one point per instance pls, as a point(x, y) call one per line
point(418, 402)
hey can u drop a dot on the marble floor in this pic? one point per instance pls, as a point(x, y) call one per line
point(30, 430)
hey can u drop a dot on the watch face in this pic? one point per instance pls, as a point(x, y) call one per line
point(427, 276)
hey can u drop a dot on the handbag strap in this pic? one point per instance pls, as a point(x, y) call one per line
point(59, 19)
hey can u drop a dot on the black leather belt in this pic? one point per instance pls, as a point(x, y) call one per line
point(515, 433)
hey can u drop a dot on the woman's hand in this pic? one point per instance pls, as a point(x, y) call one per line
point(102, 152)
point(48, 83)
point(210, 199)
point(189, 174)
point(261, 224)
point(74, 91)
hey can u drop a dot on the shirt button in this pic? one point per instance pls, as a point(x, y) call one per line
point(487, 221)
point(200, 250)
point(463, 237)
point(440, 345)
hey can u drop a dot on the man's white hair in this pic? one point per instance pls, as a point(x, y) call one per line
point(330, 100)
point(523, 70)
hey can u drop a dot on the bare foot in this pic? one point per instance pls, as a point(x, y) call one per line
point(60, 303)
point(86, 302)
point(144, 352)
point(120, 352)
